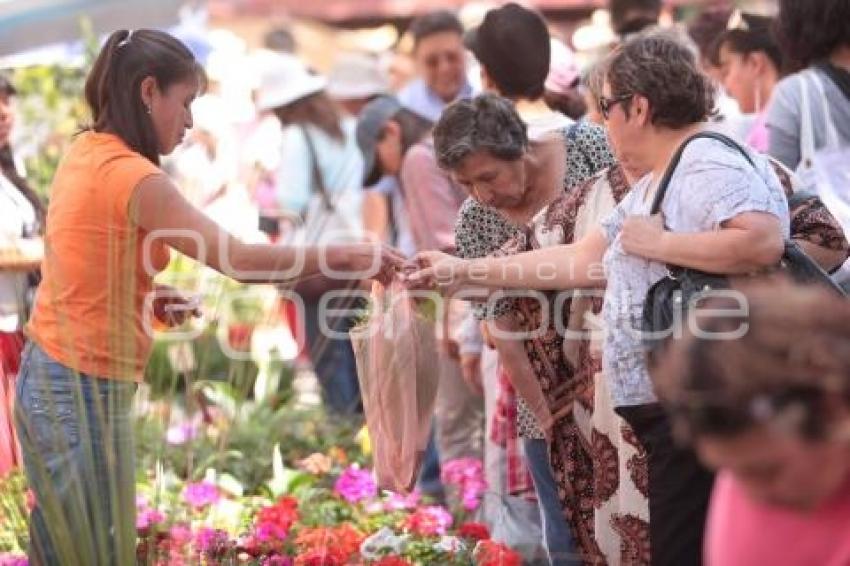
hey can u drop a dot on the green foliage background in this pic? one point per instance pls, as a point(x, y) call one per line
point(51, 109)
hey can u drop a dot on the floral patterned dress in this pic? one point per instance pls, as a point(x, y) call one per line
point(599, 467)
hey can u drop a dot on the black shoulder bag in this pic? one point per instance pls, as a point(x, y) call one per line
point(668, 300)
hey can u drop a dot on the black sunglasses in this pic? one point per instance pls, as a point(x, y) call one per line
point(606, 104)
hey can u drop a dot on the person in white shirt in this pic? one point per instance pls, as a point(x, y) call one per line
point(20, 255)
point(319, 197)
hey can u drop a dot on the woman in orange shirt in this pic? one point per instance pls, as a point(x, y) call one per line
point(112, 218)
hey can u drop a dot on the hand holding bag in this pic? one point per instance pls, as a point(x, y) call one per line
point(669, 299)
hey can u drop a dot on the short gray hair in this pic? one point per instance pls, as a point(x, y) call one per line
point(487, 122)
point(664, 70)
point(594, 79)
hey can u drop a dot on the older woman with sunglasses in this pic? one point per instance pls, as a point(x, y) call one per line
point(722, 215)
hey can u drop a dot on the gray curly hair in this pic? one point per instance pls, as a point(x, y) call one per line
point(487, 122)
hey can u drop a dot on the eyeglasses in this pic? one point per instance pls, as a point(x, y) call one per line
point(606, 104)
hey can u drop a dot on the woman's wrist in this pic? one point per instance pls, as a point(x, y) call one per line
point(465, 267)
point(662, 251)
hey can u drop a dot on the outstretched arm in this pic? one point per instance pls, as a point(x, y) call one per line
point(159, 207)
point(573, 266)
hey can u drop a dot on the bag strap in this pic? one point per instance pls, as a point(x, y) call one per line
point(674, 162)
point(318, 178)
point(807, 136)
point(832, 139)
point(839, 76)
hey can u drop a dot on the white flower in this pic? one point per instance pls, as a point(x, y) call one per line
point(450, 544)
point(382, 542)
point(226, 515)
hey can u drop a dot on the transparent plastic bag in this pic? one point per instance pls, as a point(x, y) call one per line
point(396, 350)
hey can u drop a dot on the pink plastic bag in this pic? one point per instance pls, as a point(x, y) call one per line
point(396, 366)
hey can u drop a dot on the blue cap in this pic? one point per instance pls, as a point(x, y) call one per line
point(370, 125)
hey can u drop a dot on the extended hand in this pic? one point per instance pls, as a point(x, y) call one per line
point(375, 261)
point(430, 270)
point(643, 236)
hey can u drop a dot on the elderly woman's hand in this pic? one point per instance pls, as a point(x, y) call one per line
point(643, 236)
point(430, 270)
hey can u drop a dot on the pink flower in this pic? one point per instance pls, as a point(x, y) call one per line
point(277, 560)
point(180, 535)
point(471, 494)
point(429, 521)
point(148, 517)
point(201, 494)
point(398, 502)
point(459, 471)
point(268, 532)
point(211, 542)
point(355, 485)
point(13, 560)
point(181, 433)
point(467, 476)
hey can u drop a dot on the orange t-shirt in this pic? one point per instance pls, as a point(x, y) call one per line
point(97, 272)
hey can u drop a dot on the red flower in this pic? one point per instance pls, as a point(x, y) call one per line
point(239, 337)
point(321, 557)
point(428, 521)
point(491, 553)
point(343, 539)
point(392, 561)
point(475, 531)
point(282, 515)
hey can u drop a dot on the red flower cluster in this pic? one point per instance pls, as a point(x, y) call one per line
point(428, 521)
point(474, 531)
point(332, 542)
point(322, 557)
point(280, 516)
point(491, 553)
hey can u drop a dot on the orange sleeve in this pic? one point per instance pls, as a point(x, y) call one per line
point(122, 173)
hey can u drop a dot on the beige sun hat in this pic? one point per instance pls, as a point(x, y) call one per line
point(285, 79)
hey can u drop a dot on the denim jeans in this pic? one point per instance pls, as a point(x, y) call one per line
point(557, 536)
point(333, 361)
point(77, 442)
point(429, 482)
